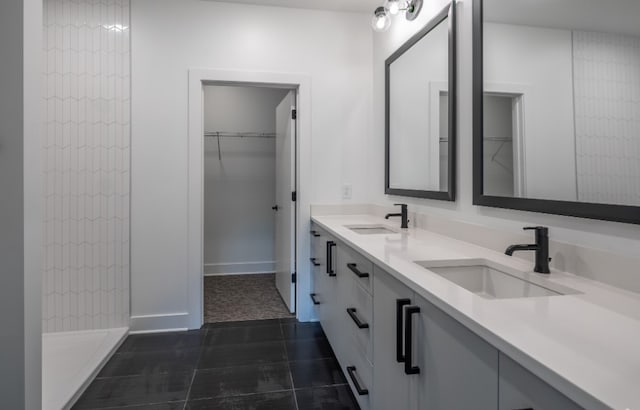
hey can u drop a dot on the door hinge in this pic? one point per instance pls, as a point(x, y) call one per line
point(294, 196)
point(294, 114)
point(294, 277)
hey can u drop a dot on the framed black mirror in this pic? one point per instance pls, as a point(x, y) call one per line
point(420, 112)
point(556, 107)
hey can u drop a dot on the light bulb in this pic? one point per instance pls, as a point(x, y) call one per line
point(393, 6)
point(381, 19)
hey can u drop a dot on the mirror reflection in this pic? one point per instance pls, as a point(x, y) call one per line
point(562, 100)
point(418, 140)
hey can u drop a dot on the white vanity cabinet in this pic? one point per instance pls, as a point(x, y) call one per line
point(441, 365)
point(399, 351)
point(342, 290)
point(521, 389)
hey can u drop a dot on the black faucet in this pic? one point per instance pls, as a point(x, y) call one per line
point(403, 214)
point(541, 247)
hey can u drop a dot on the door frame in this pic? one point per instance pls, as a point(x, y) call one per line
point(198, 78)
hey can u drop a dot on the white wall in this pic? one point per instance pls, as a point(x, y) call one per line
point(616, 237)
point(168, 38)
point(414, 159)
point(20, 179)
point(239, 189)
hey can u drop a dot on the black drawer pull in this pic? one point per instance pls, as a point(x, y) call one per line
point(313, 298)
point(313, 261)
point(408, 341)
point(315, 234)
point(330, 246)
point(352, 375)
point(354, 269)
point(356, 319)
point(400, 303)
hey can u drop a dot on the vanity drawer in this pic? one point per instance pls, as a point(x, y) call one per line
point(357, 311)
point(359, 374)
point(353, 264)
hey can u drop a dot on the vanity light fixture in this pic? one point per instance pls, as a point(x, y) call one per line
point(393, 6)
point(381, 19)
point(382, 15)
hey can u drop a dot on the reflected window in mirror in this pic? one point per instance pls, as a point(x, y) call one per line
point(420, 113)
point(557, 107)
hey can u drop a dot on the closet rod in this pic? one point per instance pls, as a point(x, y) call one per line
point(499, 139)
point(221, 134)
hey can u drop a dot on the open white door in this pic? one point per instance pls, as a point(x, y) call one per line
point(285, 244)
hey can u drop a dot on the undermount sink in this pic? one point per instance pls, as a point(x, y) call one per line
point(493, 281)
point(370, 229)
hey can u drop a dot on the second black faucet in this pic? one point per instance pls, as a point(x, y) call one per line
point(404, 215)
point(541, 247)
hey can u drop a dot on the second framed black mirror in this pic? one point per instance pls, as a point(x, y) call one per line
point(420, 112)
point(556, 123)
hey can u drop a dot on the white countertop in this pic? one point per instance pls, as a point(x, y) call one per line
point(585, 345)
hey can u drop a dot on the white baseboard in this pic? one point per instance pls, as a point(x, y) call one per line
point(159, 323)
point(238, 273)
point(239, 268)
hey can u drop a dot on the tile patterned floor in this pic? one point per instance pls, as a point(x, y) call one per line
point(242, 297)
point(277, 364)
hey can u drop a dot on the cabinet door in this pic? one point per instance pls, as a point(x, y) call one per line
point(455, 368)
point(521, 389)
point(390, 383)
point(329, 301)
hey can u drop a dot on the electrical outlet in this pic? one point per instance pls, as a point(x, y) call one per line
point(346, 191)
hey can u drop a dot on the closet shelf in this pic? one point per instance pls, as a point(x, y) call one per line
point(224, 134)
point(221, 134)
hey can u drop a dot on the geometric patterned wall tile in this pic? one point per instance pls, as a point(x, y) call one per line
point(607, 113)
point(86, 143)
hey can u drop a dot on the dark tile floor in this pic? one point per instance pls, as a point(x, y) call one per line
point(277, 364)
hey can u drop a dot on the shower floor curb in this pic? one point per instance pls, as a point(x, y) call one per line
point(71, 360)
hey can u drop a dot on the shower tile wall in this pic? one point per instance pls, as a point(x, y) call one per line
point(607, 105)
point(86, 145)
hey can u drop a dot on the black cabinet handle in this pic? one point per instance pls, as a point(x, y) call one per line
point(313, 298)
point(400, 303)
point(361, 391)
point(330, 246)
point(353, 267)
point(313, 261)
point(356, 319)
point(275, 207)
point(315, 234)
point(408, 340)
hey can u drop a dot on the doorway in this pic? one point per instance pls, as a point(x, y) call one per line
point(301, 85)
point(503, 144)
point(249, 216)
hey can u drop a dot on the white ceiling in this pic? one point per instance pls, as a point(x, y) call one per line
point(363, 6)
point(613, 16)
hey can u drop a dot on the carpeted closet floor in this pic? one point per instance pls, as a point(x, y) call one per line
point(242, 297)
